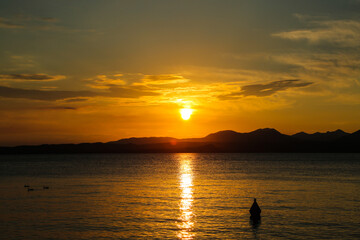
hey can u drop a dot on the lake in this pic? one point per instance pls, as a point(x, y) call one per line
point(180, 196)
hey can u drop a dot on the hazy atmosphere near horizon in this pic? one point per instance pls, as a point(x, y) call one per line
point(88, 71)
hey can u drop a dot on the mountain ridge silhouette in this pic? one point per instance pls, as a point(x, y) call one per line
point(260, 140)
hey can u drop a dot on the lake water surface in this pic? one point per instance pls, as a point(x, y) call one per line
point(180, 196)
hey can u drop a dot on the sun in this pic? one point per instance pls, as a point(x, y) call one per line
point(186, 113)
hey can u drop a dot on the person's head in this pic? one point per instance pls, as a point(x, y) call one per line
point(254, 199)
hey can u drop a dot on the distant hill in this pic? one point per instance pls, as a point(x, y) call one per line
point(261, 140)
point(328, 136)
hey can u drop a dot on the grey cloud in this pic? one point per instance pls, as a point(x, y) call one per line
point(263, 90)
point(58, 108)
point(54, 95)
point(5, 23)
point(30, 77)
point(29, 22)
point(49, 19)
point(45, 95)
point(71, 100)
point(129, 92)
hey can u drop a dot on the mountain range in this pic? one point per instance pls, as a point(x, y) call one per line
point(261, 140)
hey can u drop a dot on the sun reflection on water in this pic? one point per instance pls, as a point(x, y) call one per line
point(186, 222)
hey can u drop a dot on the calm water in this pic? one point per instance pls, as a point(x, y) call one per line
point(180, 196)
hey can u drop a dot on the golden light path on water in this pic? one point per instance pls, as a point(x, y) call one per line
point(186, 222)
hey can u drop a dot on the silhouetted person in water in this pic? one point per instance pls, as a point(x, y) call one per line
point(255, 211)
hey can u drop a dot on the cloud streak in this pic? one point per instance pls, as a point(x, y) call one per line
point(7, 24)
point(44, 95)
point(28, 22)
point(54, 95)
point(58, 108)
point(31, 77)
point(341, 32)
point(263, 90)
point(164, 79)
point(137, 80)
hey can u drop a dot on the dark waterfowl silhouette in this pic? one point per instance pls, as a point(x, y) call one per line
point(30, 189)
point(27, 186)
point(255, 211)
point(45, 187)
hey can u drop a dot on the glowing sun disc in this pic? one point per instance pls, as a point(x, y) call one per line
point(186, 113)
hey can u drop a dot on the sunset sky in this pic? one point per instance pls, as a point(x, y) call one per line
point(88, 71)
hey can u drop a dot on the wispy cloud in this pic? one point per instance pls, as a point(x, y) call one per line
point(58, 108)
point(46, 95)
point(128, 92)
point(164, 79)
point(49, 19)
point(19, 63)
point(331, 70)
point(135, 79)
point(74, 100)
point(341, 32)
point(263, 90)
point(7, 23)
point(30, 77)
point(37, 23)
point(54, 95)
point(25, 21)
point(106, 81)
